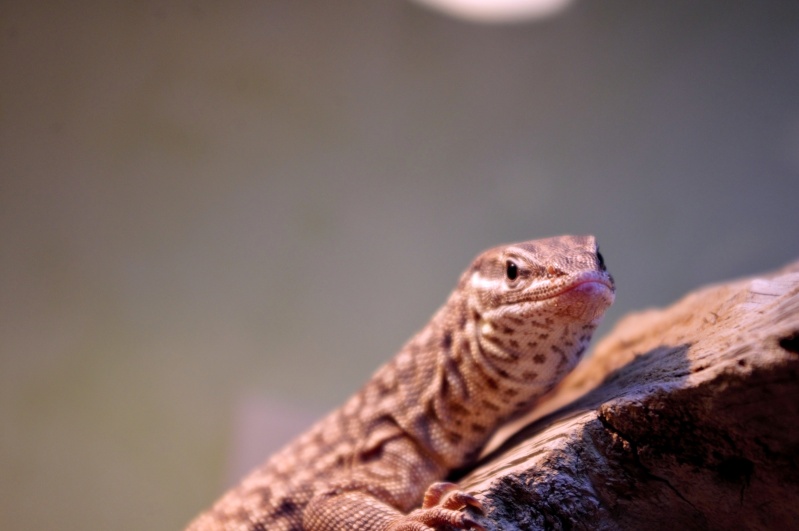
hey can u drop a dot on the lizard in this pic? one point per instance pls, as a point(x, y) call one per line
point(518, 321)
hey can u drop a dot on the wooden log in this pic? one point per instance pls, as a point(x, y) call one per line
point(685, 417)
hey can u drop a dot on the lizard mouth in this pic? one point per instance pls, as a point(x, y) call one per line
point(594, 282)
point(587, 285)
point(601, 282)
point(585, 297)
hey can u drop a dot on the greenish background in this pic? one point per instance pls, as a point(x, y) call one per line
point(217, 219)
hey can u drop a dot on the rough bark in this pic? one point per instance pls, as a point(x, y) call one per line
point(686, 417)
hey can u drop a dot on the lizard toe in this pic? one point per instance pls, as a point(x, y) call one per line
point(449, 496)
point(436, 519)
point(459, 499)
point(436, 491)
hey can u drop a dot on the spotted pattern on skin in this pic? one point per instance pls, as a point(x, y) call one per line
point(519, 319)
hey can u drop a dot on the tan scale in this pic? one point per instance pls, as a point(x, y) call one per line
point(517, 322)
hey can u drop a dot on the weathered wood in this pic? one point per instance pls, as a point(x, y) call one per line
point(686, 417)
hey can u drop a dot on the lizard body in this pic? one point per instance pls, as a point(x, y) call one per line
point(517, 322)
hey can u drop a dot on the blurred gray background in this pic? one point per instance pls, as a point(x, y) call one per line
point(217, 219)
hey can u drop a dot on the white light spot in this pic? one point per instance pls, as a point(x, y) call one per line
point(478, 282)
point(498, 10)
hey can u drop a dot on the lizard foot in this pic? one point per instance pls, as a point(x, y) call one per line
point(441, 509)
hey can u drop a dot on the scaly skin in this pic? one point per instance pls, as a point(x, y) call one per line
point(518, 321)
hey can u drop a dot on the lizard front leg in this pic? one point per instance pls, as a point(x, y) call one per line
point(375, 495)
point(443, 505)
point(362, 510)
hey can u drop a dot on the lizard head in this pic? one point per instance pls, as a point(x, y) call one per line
point(535, 304)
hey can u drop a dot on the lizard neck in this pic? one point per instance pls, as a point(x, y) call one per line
point(463, 375)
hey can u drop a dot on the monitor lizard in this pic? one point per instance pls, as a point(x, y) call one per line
point(517, 322)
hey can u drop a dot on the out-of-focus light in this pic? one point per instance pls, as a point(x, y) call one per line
point(498, 10)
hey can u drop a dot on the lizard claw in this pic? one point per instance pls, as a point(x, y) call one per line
point(449, 496)
point(436, 519)
point(442, 509)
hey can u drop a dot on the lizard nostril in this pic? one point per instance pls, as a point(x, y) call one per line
point(601, 260)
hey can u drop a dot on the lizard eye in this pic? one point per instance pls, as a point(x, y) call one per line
point(511, 270)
